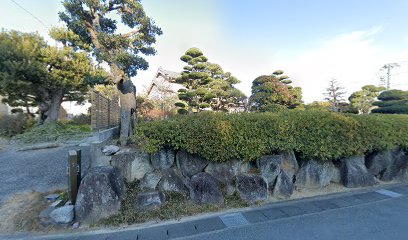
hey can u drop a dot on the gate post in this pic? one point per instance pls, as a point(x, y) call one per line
point(74, 173)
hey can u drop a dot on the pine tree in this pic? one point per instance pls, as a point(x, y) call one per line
point(273, 93)
point(94, 28)
point(334, 95)
point(35, 74)
point(363, 100)
point(206, 85)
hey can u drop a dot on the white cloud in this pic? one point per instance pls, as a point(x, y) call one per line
point(354, 59)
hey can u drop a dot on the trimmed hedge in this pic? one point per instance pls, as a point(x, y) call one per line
point(248, 136)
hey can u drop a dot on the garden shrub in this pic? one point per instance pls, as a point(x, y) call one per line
point(57, 131)
point(312, 134)
point(13, 124)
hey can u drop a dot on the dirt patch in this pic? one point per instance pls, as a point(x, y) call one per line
point(20, 212)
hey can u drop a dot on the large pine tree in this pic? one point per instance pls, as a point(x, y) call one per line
point(95, 27)
point(35, 74)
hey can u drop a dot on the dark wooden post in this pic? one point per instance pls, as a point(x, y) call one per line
point(74, 174)
point(109, 113)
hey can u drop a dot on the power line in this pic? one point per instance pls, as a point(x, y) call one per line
point(32, 15)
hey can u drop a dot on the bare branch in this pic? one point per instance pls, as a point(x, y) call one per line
point(129, 34)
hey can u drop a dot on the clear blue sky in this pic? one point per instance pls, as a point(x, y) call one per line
point(312, 41)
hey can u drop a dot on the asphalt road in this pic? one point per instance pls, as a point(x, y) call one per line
point(382, 220)
point(364, 215)
point(40, 170)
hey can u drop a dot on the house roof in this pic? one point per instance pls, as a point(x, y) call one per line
point(169, 74)
point(166, 84)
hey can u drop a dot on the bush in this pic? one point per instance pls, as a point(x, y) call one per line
point(11, 125)
point(54, 132)
point(81, 119)
point(312, 134)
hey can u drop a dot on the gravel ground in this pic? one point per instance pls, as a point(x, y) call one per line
point(40, 170)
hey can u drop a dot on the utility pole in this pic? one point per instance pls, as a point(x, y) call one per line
point(389, 66)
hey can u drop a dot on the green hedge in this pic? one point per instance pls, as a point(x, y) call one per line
point(248, 136)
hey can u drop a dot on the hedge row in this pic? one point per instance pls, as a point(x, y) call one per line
point(248, 136)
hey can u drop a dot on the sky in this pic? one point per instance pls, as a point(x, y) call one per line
point(312, 41)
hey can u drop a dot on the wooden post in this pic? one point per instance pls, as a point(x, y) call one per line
point(74, 174)
point(109, 113)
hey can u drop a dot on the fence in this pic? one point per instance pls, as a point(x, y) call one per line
point(105, 112)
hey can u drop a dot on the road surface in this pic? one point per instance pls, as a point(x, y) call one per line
point(40, 170)
point(376, 214)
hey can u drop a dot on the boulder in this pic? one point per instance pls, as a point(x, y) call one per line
point(149, 200)
point(386, 165)
point(96, 157)
point(63, 214)
point(252, 188)
point(123, 162)
point(336, 174)
point(248, 167)
point(150, 180)
point(163, 159)
point(401, 165)
point(283, 187)
point(314, 174)
point(190, 164)
point(140, 165)
point(355, 174)
point(289, 164)
point(99, 194)
point(204, 188)
point(110, 150)
point(270, 167)
point(171, 181)
point(224, 172)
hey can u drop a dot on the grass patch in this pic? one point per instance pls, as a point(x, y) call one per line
point(52, 132)
point(177, 205)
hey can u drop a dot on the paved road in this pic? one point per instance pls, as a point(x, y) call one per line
point(372, 215)
point(41, 170)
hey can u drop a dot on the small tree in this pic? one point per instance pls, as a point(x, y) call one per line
point(207, 85)
point(94, 29)
point(363, 100)
point(334, 95)
point(195, 78)
point(274, 92)
point(225, 95)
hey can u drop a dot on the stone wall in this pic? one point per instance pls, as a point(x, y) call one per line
point(274, 176)
point(271, 175)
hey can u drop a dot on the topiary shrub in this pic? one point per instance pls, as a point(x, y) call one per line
point(313, 134)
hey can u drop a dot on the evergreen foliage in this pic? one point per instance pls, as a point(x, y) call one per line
point(93, 27)
point(272, 93)
point(207, 85)
point(392, 102)
point(335, 95)
point(363, 100)
point(35, 74)
point(248, 136)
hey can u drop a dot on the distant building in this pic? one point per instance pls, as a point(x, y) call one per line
point(163, 85)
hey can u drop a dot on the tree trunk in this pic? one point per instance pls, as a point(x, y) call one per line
point(54, 106)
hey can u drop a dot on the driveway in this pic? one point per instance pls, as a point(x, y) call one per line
point(40, 170)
